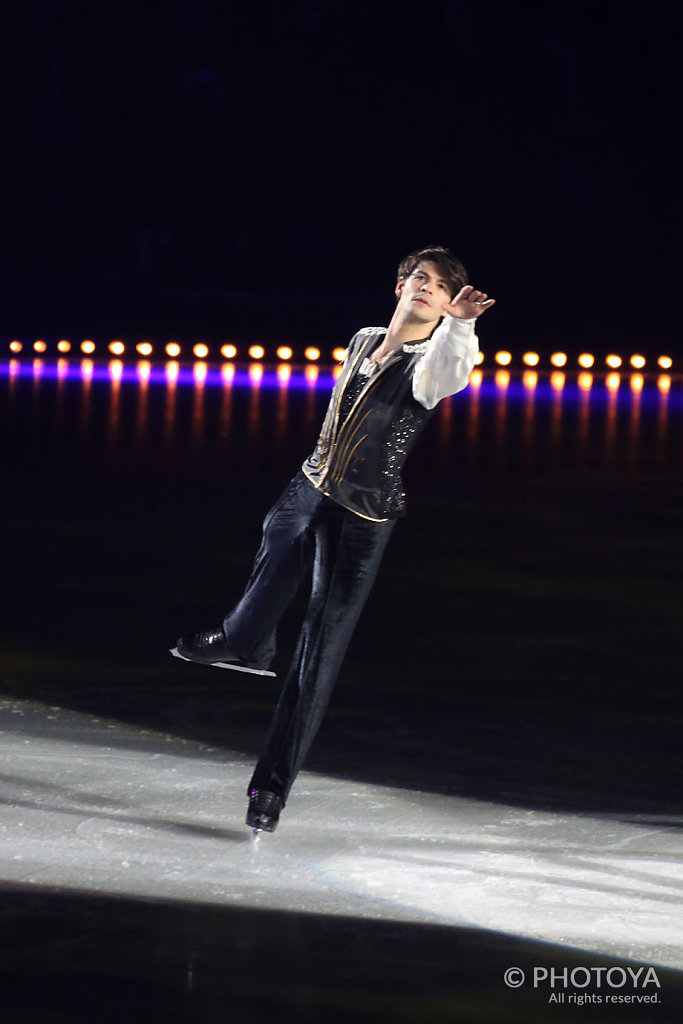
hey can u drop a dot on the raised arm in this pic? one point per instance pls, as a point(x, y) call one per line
point(445, 366)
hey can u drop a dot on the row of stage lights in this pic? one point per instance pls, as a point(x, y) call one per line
point(284, 353)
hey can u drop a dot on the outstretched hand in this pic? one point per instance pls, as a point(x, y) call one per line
point(468, 303)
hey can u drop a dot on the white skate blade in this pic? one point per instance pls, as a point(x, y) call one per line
point(224, 664)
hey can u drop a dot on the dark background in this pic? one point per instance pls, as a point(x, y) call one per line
point(200, 167)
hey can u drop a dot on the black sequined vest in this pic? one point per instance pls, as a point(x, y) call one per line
point(371, 424)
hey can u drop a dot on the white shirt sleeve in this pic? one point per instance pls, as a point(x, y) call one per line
point(445, 366)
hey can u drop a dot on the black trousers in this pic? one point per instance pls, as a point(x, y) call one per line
point(304, 529)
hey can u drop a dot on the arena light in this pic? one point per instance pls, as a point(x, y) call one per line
point(87, 368)
point(144, 348)
point(116, 369)
point(503, 358)
point(257, 352)
point(530, 379)
point(227, 373)
point(476, 377)
point(39, 346)
point(339, 354)
point(664, 382)
point(614, 362)
point(62, 368)
point(479, 358)
point(311, 374)
point(586, 360)
point(312, 353)
point(173, 350)
point(15, 346)
point(284, 352)
point(172, 370)
point(200, 350)
point(637, 381)
point(284, 373)
point(557, 380)
point(502, 379)
point(337, 371)
point(666, 362)
point(88, 347)
point(64, 345)
point(585, 381)
point(612, 381)
point(117, 348)
point(200, 370)
point(530, 358)
point(228, 351)
point(637, 362)
point(256, 372)
point(559, 359)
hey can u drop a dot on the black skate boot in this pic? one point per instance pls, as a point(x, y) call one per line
point(264, 810)
point(210, 648)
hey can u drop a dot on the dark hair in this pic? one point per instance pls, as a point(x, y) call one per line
point(451, 268)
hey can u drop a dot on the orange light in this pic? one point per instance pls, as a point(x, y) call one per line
point(37, 367)
point(337, 371)
point(311, 373)
point(637, 381)
point(476, 378)
point(87, 367)
point(585, 381)
point(62, 367)
point(503, 358)
point(530, 358)
point(612, 381)
point(256, 372)
point(502, 378)
point(173, 349)
point(586, 360)
point(200, 350)
point(15, 346)
point(637, 362)
point(257, 351)
point(284, 352)
point(479, 358)
point(144, 369)
point(559, 359)
point(117, 348)
point(312, 353)
point(14, 365)
point(39, 346)
point(228, 352)
point(116, 369)
point(530, 379)
point(666, 362)
point(144, 348)
point(172, 370)
point(64, 345)
point(664, 382)
point(614, 362)
point(284, 373)
point(227, 373)
point(557, 381)
point(338, 354)
point(200, 370)
point(88, 346)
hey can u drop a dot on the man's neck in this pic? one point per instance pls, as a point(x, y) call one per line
point(402, 329)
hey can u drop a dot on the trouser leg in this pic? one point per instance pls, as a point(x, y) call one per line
point(348, 553)
point(283, 559)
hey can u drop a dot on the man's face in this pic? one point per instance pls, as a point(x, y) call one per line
point(424, 293)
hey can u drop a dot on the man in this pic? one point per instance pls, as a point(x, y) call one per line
point(338, 512)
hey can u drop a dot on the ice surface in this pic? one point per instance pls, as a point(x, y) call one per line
point(93, 805)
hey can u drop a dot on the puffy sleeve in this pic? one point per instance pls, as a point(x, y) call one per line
point(445, 366)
